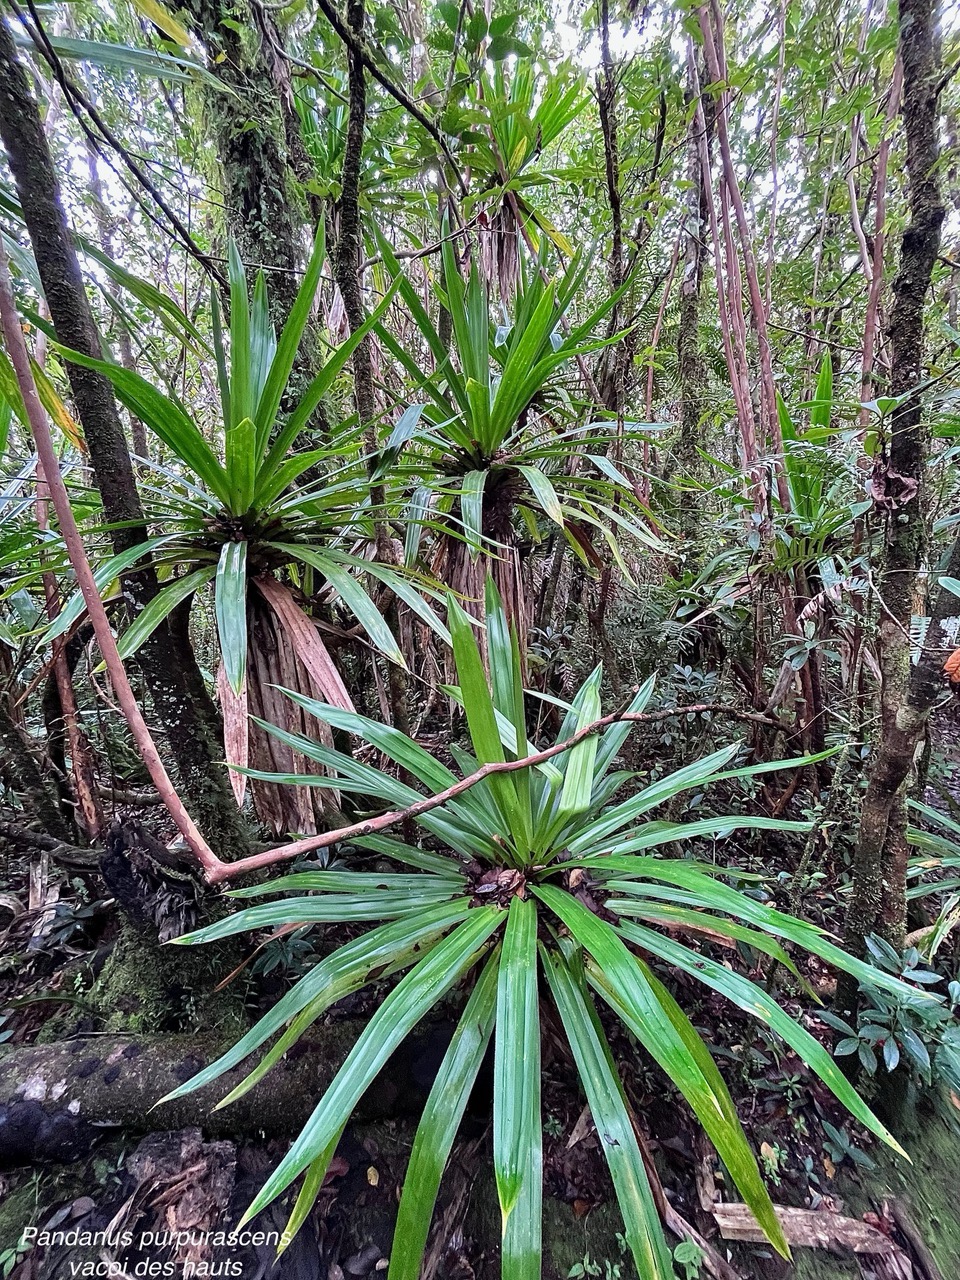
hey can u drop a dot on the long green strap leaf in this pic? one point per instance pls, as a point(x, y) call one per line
point(361, 957)
point(103, 575)
point(159, 608)
point(697, 889)
point(231, 612)
point(332, 908)
point(312, 1184)
point(517, 1130)
point(482, 720)
point(614, 1128)
point(439, 1124)
point(754, 1000)
point(403, 1008)
point(640, 1007)
point(289, 344)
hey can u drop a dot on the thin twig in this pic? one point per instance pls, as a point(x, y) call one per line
point(75, 100)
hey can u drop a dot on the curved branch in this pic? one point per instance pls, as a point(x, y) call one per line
point(369, 826)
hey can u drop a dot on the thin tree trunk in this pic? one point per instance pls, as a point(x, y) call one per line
point(180, 698)
point(22, 770)
point(877, 899)
point(690, 364)
point(347, 267)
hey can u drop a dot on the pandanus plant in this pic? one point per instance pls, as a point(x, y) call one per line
point(237, 521)
point(541, 887)
point(491, 451)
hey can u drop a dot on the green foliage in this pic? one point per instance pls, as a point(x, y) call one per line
point(545, 889)
point(903, 1027)
point(263, 506)
point(689, 1257)
point(495, 421)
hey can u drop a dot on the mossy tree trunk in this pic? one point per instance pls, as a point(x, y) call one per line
point(261, 155)
point(878, 899)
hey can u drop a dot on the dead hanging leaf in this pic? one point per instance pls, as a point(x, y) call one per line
point(891, 489)
point(818, 603)
point(309, 648)
point(236, 732)
point(951, 668)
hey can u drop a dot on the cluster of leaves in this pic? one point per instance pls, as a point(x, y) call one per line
point(545, 888)
point(897, 1027)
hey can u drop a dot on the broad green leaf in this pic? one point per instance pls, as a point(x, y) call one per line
point(353, 596)
point(578, 775)
point(241, 465)
point(696, 889)
point(471, 509)
point(593, 835)
point(312, 1184)
point(481, 718)
point(317, 389)
point(349, 882)
point(378, 905)
point(241, 357)
point(165, 418)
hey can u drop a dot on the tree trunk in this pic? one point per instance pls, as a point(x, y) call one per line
point(180, 698)
point(346, 266)
point(262, 157)
point(22, 771)
point(877, 899)
point(690, 365)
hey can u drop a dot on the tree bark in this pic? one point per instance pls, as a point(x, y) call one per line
point(346, 266)
point(23, 772)
point(260, 147)
point(877, 898)
point(181, 702)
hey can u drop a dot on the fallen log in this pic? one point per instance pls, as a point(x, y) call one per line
point(56, 1098)
point(810, 1228)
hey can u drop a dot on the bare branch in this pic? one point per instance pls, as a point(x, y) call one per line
point(369, 826)
point(17, 351)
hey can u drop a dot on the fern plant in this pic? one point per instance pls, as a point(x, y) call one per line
point(547, 888)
